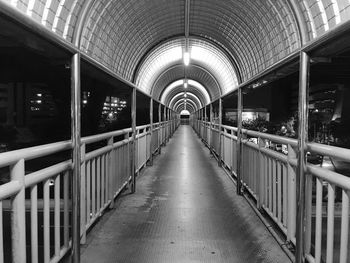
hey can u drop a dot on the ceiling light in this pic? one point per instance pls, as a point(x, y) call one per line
point(186, 58)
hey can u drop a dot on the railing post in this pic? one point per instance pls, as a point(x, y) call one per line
point(260, 181)
point(291, 173)
point(111, 172)
point(169, 125)
point(239, 142)
point(76, 133)
point(83, 195)
point(133, 147)
point(302, 139)
point(211, 129)
point(160, 128)
point(164, 127)
point(18, 224)
point(220, 133)
point(151, 131)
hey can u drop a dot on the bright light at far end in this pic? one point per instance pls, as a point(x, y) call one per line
point(186, 58)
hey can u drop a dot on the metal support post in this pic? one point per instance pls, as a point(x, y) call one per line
point(165, 125)
point(18, 225)
point(76, 133)
point(169, 124)
point(220, 133)
point(160, 132)
point(151, 131)
point(211, 115)
point(133, 147)
point(239, 142)
point(302, 140)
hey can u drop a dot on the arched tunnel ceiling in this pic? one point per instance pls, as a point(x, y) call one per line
point(188, 105)
point(204, 55)
point(193, 72)
point(190, 96)
point(191, 89)
point(120, 34)
point(179, 85)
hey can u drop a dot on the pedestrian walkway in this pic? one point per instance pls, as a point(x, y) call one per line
point(185, 209)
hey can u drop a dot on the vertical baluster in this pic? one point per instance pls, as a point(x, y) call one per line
point(47, 221)
point(57, 216)
point(266, 181)
point(285, 194)
point(256, 173)
point(291, 224)
point(270, 183)
point(308, 213)
point(111, 172)
point(66, 208)
point(18, 215)
point(120, 167)
point(102, 186)
point(274, 188)
point(2, 235)
point(98, 185)
point(88, 192)
point(344, 239)
point(330, 223)
point(34, 222)
point(279, 191)
point(93, 186)
point(82, 194)
point(318, 227)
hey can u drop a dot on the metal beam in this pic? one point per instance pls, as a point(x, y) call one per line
point(301, 168)
point(151, 131)
point(133, 146)
point(239, 142)
point(76, 133)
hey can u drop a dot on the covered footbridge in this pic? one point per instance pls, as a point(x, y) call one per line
point(174, 131)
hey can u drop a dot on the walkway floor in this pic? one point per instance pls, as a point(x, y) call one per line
point(184, 210)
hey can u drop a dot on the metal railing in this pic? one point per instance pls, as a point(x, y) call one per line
point(53, 204)
point(35, 206)
point(269, 174)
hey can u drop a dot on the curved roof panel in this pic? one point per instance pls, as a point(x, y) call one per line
point(120, 34)
point(202, 53)
point(193, 72)
point(178, 86)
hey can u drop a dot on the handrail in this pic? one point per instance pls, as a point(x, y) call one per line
point(275, 138)
point(46, 173)
point(8, 158)
point(9, 189)
point(103, 136)
point(328, 150)
point(235, 129)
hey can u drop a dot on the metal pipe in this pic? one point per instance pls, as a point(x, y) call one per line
point(239, 141)
point(302, 140)
point(164, 126)
point(151, 130)
point(211, 128)
point(160, 128)
point(76, 132)
point(133, 148)
point(220, 132)
point(18, 226)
